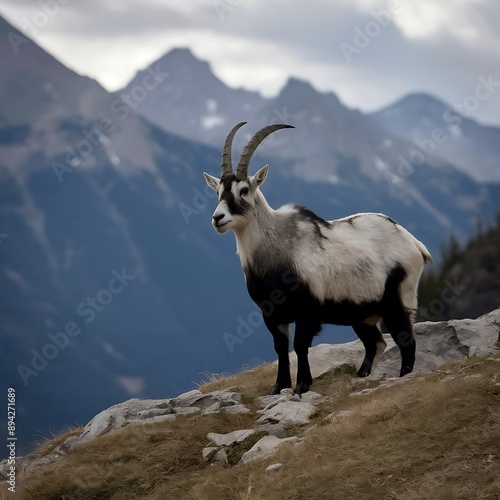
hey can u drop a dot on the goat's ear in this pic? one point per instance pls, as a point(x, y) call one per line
point(212, 181)
point(260, 176)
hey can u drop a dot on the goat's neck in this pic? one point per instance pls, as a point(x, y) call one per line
point(257, 235)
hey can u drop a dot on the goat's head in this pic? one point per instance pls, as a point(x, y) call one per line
point(237, 192)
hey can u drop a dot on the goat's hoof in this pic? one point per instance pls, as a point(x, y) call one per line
point(278, 388)
point(405, 370)
point(364, 370)
point(301, 388)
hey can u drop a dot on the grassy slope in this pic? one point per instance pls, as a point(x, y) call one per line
point(432, 436)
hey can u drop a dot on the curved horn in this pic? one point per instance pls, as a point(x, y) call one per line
point(226, 165)
point(242, 170)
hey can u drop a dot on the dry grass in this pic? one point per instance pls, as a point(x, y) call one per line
point(250, 383)
point(49, 444)
point(431, 437)
point(434, 436)
point(133, 462)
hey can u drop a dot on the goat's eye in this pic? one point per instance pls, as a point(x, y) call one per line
point(244, 191)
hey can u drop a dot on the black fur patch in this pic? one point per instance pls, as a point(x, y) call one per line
point(350, 220)
point(283, 298)
point(227, 180)
point(235, 207)
point(389, 219)
point(308, 215)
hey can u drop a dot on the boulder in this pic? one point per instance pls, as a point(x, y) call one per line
point(266, 447)
point(326, 357)
point(120, 415)
point(148, 411)
point(437, 343)
point(208, 452)
point(230, 438)
point(445, 341)
point(287, 413)
point(221, 456)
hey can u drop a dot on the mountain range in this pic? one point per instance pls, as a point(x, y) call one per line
point(113, 282)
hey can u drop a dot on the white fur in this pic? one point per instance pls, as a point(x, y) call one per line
point(381, 345)
point(331, 270)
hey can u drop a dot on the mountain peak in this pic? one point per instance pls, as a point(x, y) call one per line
point(420, 102)
point(298, 89)
point(295, 84)
point(183, 54)
point(183, 59)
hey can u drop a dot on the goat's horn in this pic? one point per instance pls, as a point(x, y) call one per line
point(242, 170)
point(226, 164)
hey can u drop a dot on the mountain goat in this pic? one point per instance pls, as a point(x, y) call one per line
point(302, 269)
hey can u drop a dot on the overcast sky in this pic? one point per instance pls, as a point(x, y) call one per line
point(347, 46)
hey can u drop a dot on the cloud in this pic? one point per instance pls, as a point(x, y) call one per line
point(438, 47)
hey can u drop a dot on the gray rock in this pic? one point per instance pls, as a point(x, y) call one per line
point(437, 343)
point(206, 401)
point(326, 357)
point(226, 398)
point(312, 397)
point(266, 447)
point(188, 398)
point(154, 420)
point(208, 452)
point(288, 395)
point(265, 401)
point(188, 410)
point(274, 468)
point(117, 416)
point(230, 438)
point(277, 400)
point(235, 409)
point(136, 411)
point(288, 413)
point(221, 456)
point(215, 408)
point(277, 429)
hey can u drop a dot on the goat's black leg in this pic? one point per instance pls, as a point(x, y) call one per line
point(374, 344)
point(398, 322)
point(281, 346)
point(304, 334)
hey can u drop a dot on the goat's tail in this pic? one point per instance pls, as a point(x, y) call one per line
point(423, 250)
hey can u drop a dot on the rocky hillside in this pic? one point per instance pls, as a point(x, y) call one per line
point(433, 434)
point(89, 189)
point(467, 282)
